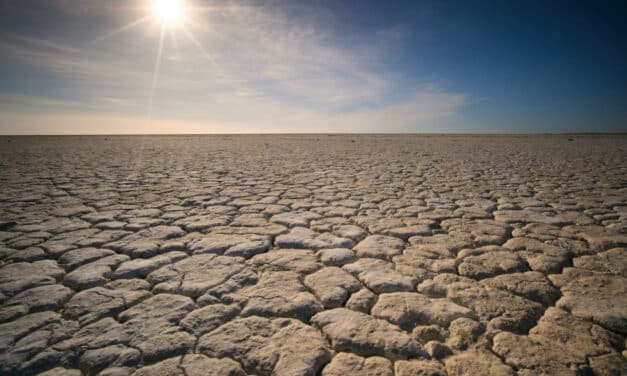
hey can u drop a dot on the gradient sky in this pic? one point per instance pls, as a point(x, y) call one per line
point(71, 66)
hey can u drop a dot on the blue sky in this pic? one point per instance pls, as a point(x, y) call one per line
point(70, 66)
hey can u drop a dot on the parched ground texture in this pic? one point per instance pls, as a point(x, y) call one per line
point(313, 255)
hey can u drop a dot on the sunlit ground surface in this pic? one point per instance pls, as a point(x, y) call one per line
point(300, 255)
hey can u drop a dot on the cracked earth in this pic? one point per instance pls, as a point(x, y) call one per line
point(313, 255)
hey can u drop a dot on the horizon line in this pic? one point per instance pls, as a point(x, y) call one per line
point(479, 133)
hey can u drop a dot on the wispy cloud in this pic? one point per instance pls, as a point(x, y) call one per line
point(50, 55)
point(245, 68)
point(423, 112)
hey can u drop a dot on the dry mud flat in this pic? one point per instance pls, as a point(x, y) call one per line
point(309, 255)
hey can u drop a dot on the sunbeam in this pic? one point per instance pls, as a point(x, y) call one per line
point(169, 16)
point(217, 70)
point(124, 28)
point(195, 41)
point(155, 75)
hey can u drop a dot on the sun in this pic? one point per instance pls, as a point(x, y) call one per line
point(169, 13)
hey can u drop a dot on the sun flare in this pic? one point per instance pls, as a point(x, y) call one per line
point(168, 13)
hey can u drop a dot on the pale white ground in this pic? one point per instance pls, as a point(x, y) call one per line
point(308, 255)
